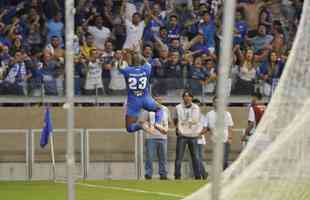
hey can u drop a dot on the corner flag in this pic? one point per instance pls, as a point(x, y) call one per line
point(47, 129)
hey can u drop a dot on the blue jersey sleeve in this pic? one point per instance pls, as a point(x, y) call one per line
point(125, 71)
point(148, 68)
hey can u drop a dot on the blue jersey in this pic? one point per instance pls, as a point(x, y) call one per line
point(137, 80)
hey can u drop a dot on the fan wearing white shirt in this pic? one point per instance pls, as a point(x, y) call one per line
point(187, 119)
point(93, 82)
point(100, 33)
point(118, 83)
point(210, 123)
point(156, 141)
point(134, 28)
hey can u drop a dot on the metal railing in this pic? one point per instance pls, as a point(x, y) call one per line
point(84, 135)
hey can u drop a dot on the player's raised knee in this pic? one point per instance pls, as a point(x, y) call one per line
point(131, 128)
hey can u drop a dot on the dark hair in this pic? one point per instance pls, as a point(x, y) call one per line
point(54, 36)
point(257, 94)
point(173, 15)
point(206, 13)
point(196, 101)
point(136, 14)
point(259, 25)
point(214, 98)
point(187, 93)
point(148, 45)
point(162, 28)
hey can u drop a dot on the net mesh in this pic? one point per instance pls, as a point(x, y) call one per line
point(276, 163)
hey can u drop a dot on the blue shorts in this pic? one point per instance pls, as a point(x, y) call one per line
point(134, 105)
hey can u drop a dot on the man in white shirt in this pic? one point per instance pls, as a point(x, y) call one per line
point(100, 33)
point(156, 142)
point(188, 124)
point(210, 123)
point(134, 29)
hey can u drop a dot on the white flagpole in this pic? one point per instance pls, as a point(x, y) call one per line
point(53, 156)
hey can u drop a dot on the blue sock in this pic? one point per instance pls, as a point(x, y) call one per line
point(158, 116)
point(131, 128)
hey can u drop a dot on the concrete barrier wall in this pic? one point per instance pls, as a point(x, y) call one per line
point(103, 146)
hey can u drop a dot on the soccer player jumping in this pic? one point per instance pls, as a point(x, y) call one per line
point(137, 80)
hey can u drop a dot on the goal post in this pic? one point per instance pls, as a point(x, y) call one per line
point(69, 105)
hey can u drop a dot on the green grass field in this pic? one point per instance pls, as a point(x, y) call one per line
point(99, 190)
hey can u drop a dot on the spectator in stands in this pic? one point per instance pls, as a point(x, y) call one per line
point(79, 74)
point(241, 26)
point(107, 59)
point(88, 45)
point(198, 45)
point(156, 143)
point(4, 40)
point(117, 83)
point(4, 61)
point(35, 83)
point(100, 33)
point(161, 24)
point(58, 54)
point(197, 76)
point(134, 29)
point(93, 83)
point(159, 67)
point(162, 41)
point(156, 19)
point(265, 18)
point(210, 123)
point(55, 27)
point(187, 119)
point(48, 70)
point(174, 73)
point(262, 40)
point(35, 37)
point(208, 29)
point(15, 81)
point(55, 48)
point(279, 44)
point(251, 10)
point(270, 72)
point(16, 29)
point(17, 45)
point(173, 28)
point(175, 46)
point(210, 83)
point(247, 74)
point(148, 52)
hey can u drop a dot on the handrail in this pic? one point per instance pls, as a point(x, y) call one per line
point(85, 150)
point(112, 99)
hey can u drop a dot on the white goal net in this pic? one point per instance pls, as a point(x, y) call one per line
point(276, 163)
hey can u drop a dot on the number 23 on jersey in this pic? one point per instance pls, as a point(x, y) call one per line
point(135, 83)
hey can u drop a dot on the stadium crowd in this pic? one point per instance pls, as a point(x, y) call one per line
point(180, 38)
